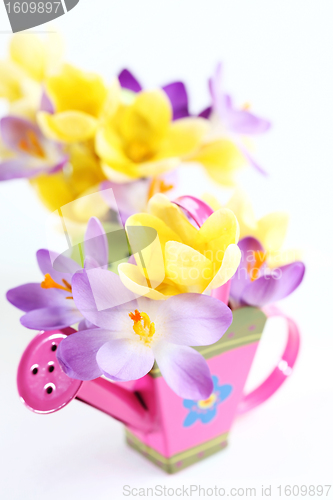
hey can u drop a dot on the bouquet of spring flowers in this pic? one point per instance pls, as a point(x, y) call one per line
point(172, 299)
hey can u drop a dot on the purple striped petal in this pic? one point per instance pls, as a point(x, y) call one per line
point(274, 287)
point(96, 243)
point(185, 371)
point(51, 318)
point(193, 319)
point(124, 359)
point(58, 266)
point(128, 81)
point(177, 95)
point(32, 296)
point(77, 353)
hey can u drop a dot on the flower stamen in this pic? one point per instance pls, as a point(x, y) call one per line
point(253, 267)
point(50, 283)
point(142, 326)
point(31, 145)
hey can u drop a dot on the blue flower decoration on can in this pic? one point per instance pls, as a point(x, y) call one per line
point(206, 409)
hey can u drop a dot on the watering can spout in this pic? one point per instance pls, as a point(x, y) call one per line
point(118, 402)
point(45, 388)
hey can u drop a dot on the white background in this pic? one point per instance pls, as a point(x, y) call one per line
point(279, 57)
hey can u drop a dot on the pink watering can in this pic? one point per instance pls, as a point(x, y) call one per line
point(170, 431)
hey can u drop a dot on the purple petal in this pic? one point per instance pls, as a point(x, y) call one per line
point(276, 286)
point(193, 319)
point(206, 113)
point(244, 122)
point(58, 266)
point(32, 296)
point(51, 318)
point(19, 168)
point(184, 370)
point(77, 353)
point(85, 325)
point(97, 292)
point(124, 359)
point(46, 103)
point(96, 243)
point(177, 95)
point(250, 159)
point(242, 278)
point(14, 129)
point(128, 81)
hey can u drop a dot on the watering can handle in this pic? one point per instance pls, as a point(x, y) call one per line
point(200, 211)
point(281, 372)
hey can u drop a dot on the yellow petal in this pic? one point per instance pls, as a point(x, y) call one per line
point(240, 204)
point(230, 263)
point(69, 126)
point(11, 77)
point(219, 231)
point(135, 281)
point(164, 232)
point(160, 206)
point(184, 137)
point(221, 159)
point(186, 267)
point(28, 52)
point(272, 229)
point(212, 201)
point(146, 121)
point(109, 147)
point(82, 172)
point(72, 89)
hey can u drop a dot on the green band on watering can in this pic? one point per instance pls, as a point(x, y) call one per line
point(247, 327)
point(180, 460)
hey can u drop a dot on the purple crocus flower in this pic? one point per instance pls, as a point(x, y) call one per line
point(132, 335)
point(255, 284)
point(49, 305)
point(235, 122)
point(176, 92)
point(34, 154)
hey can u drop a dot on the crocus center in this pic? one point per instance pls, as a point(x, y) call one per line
point(254, 265)
point(207, 403)
point(143, 326)
point(31, 145)
point(50, 283)
point(138, 151)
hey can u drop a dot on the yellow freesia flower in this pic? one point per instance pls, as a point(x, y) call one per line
point(184, 258)
point(270, 229)
point(79, 98)
point(140, 139)
point(78, 177)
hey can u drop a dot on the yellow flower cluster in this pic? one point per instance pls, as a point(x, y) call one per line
point(107, 133)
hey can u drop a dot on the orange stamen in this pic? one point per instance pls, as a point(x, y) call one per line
point(158, 186)
point(31, 145)
point(136, 316)
point(50, 283)
point(253, 267)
